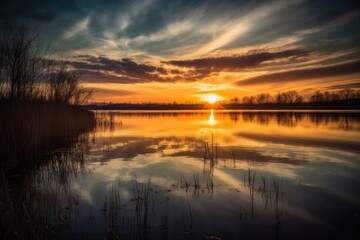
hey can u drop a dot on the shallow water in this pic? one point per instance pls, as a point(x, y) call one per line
point(211, 175)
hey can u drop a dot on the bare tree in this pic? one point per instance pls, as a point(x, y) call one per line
point(327, 96)
point(347, 94)
point(286, 97)
point(245, 100)
point(29, 70)
point(299, 99)
point(263, 98)
point(234, 100)
point(64, 85)
point(290, 97)
point(22, 57)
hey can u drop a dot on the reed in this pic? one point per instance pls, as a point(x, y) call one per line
point(31, 201)
point(279, 196)
point(209, 181)
point(197, 184)
point(211, 151)
point(251, 185)
point(265, 192)
point(184, 183)
point(143, 197)
point(34, 128)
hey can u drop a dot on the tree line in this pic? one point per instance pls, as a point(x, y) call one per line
point(30, 70)
point(293, 97)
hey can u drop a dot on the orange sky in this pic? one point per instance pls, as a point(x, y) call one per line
point(166, 50)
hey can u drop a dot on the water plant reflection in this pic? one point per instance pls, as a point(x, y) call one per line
point(37, 203)
point(159, 175)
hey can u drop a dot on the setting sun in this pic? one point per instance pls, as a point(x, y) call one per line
point(243, 105)
point(212, 98)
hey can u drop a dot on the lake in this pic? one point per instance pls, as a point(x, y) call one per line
point(210, 174)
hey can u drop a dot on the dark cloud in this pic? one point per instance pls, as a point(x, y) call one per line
point(122, 71)
point(127, 71)
point(155, 27)
point(346, 85)
point(113, 92)
point(252, 59)
point(325, 11)
point(305, 74)
point(21, 10)
point(144, 18)
point(123, 66)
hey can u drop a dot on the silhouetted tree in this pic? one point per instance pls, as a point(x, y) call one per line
point(327, 97)
point(291, 97)
point(317, 97)
point(234, 100)
point(347, 94)
point(64, 85)
point(299, 99)
point(252, 100)
point(28, 70)
point(23, 61)
point(246, 100)
point(263, 98)
point(344, 95)
point(286, 97)
point(335, 97)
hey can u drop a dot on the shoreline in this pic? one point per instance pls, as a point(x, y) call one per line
point(239, 107)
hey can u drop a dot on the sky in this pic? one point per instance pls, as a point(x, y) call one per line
point(182, 51)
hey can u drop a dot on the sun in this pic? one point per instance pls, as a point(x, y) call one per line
point(212, 98)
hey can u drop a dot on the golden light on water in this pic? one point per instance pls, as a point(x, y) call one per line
point(212, 120)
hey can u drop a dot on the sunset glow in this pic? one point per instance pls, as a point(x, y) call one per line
point(180, 119)
point(212, 98)
point(145, 51)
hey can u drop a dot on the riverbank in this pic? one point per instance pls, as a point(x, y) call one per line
point(337, 105)
point(33, 127)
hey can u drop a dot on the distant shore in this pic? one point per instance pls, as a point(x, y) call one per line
point(355, 105)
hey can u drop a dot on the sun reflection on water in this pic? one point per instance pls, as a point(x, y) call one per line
point(212, 120)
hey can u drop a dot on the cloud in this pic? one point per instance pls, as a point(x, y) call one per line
point(240, 27)
point(347, 145)
point(252, 59)
point(195, 41)
point(112, 91)
point(305, 74)
point(345, 85)
point(80, 26)
point(41, 11)
point(170, 30)
point(125, 70)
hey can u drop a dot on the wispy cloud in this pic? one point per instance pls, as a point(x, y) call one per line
point(345, 85)
point(252, 59)
point(233, 30)
point(170, 30)
point(78, 27)
point(305, 74)
point(215, 45)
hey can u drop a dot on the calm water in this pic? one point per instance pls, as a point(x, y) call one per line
point(208, 175)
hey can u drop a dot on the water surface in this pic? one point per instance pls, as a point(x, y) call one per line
point(210, 175)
